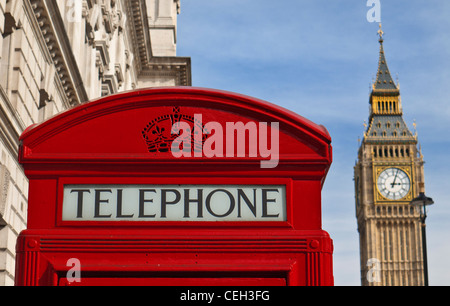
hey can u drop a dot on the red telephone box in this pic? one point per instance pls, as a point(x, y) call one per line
point(175, 186)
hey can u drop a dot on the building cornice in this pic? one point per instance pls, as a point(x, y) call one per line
point(55, 37)
point(177, 67)
point(147, 64)
point(138, 23)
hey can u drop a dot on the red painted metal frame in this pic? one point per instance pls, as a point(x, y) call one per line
point(304, 260)
point(100, 143)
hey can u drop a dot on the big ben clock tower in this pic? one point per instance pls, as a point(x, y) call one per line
point(388, 175)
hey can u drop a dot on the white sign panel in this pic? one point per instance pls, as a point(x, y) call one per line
point(174, 203)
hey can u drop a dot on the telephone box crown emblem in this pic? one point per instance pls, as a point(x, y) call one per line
point(159, 137)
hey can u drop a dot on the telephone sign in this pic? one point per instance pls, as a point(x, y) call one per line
point(174, 203)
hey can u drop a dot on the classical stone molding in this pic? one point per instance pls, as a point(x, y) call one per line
point(102, 56)
point(148, 65)
point(52, 29)
point(4, 187)
point(178, 68)
point(119, 73)
point(10, 124)
point(109, 85)
point(138, 24)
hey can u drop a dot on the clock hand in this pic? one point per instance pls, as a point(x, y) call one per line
point(395, 178)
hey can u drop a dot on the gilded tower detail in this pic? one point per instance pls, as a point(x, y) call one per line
point(388, 174)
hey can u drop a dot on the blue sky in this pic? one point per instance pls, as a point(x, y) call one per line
point(317, 58)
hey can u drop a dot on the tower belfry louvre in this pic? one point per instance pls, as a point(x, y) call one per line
point(388, 174)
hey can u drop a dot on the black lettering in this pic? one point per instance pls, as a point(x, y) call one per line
point(99, 201)
point(188, 200)
point(265, 201)
point(80, 201)
point(119, 206)
point(208, 203)
point(164, 202)
point(241, 194)
point(143, 200)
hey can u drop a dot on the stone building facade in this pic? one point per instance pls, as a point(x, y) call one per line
point(57, 54)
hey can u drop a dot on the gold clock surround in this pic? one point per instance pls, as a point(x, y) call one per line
point(379, 198)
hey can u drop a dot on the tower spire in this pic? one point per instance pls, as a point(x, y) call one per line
point(385, 101)
point(384, 79)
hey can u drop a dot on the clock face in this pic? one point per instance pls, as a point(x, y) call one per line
point(393, 183)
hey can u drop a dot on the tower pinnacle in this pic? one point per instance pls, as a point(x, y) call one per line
point(380, 33)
